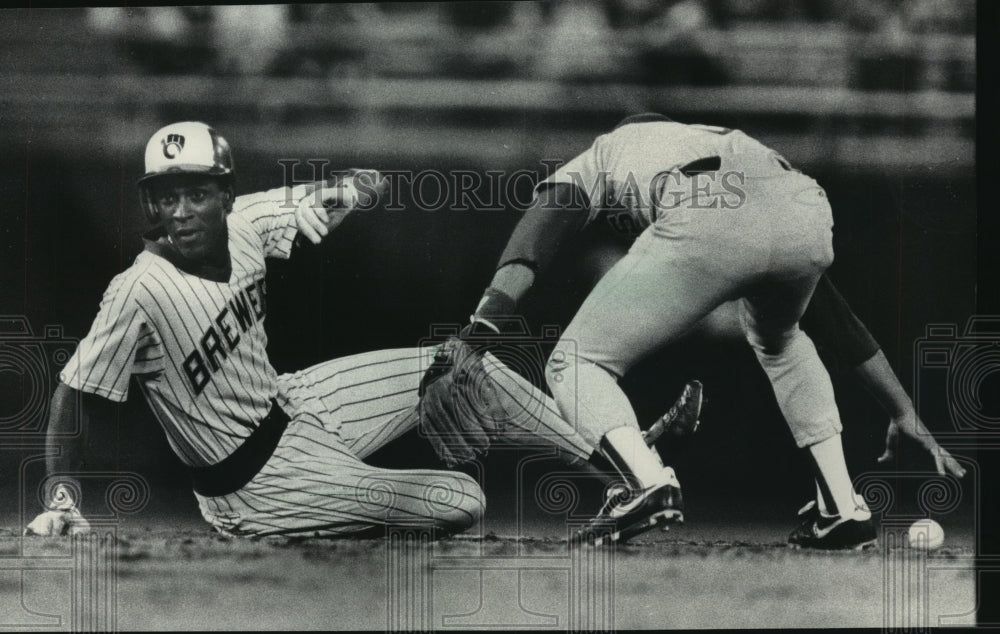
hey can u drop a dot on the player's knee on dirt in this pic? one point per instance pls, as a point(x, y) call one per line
point(457, 503)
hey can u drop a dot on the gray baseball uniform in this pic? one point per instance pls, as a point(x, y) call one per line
point(720, 217)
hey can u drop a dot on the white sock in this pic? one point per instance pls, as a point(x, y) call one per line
point(821, 500)
point(829, 458)
point(628, 452)
point(656, 454)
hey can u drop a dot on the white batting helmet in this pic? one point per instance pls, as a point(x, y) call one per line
point(188, 147)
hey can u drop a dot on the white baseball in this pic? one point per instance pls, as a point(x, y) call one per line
point(925, 534)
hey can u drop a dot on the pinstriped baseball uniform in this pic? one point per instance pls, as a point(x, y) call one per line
point(195, 341)
point(197, 345)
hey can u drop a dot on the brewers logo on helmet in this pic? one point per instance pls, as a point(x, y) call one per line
point(188, 147)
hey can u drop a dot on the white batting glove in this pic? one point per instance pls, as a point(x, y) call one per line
point(322, 210)
point(62, 518)
point(55, 523)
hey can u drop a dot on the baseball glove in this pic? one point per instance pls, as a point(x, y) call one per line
point(460, 408)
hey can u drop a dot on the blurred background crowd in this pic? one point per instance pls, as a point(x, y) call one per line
point(410, 71)
point(655, 42)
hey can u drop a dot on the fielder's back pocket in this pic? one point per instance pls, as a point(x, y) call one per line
point(811, 196)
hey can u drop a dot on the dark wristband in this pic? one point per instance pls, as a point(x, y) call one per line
point(495, 303)
point(522, 261)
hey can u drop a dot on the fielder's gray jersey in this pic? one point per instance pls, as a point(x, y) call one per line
point(626, 173)
point(197, 346)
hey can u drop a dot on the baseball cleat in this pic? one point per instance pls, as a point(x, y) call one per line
point(621, 490)
point(626, 514)
point(831, 532)
point(682, 417)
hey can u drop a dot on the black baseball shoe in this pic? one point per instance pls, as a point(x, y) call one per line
point(626, 514)
point(826, 532)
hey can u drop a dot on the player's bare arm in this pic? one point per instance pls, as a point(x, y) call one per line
point(69, 411)
point(846, 345)
point(557, 212)
point(876, 374)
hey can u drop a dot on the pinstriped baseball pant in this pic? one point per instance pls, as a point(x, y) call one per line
point(342, 411)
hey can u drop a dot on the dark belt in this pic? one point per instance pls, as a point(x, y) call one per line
point(235, 470)
point(714, 163)
point(702, 165)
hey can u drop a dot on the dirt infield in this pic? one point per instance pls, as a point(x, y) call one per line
point(194, 579)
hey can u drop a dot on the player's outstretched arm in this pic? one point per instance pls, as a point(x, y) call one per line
point(878, 377)
point(311, 210)
point(558, 211)
point(64, 445)
point(844, 343)
point(324, 206)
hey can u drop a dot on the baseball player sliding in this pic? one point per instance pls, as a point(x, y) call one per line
point(721, 226)
point(268, 454)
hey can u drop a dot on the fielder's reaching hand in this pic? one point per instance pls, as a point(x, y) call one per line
point(909, 424)
point(877, 375)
